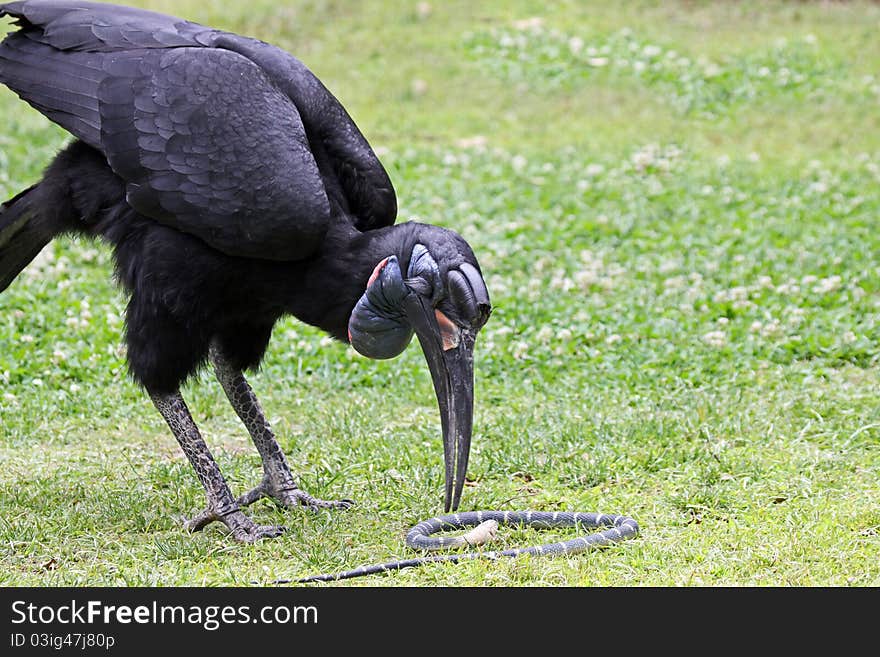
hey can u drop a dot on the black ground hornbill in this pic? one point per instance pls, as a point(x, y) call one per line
point(234, 189)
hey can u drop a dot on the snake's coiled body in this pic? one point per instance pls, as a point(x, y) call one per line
point(419, 537)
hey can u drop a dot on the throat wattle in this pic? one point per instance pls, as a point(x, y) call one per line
point(378, 327)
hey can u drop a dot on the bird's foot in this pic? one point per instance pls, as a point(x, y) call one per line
point(289, 496)
point(243, 528)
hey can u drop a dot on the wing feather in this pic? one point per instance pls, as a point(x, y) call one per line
point(219, 135)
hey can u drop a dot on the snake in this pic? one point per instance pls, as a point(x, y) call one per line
point(616, 528)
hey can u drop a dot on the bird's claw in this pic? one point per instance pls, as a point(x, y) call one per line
point(290, 496)
point(246, 530)
point(295, 497)
point(243, 528)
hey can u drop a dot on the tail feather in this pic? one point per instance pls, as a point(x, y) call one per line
point(22, 235)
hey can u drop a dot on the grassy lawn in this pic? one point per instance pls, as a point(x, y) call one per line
point(675, 205)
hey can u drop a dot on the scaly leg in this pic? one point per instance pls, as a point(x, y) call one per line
point(221, 505)
point(278, 482)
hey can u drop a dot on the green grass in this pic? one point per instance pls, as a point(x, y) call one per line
point(682, 253)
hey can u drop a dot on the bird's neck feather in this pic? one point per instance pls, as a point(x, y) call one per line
point(327, 287)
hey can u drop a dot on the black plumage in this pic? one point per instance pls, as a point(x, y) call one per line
point(234, 189)
point(217, 136)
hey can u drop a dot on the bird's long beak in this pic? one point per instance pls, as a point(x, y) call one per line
point(450, 355)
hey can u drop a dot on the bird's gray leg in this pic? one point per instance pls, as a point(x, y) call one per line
point(221, 505)
point(278, 482)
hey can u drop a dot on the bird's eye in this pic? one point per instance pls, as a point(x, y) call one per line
point(420, 285)
point(423, 274)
